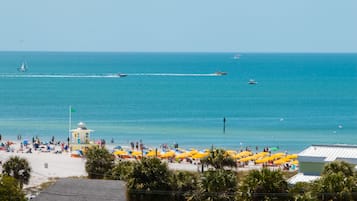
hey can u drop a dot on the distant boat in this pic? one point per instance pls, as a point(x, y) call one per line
point(237, 56)
point(23, 68)
point(219, 73)
point(121, 75)
point(251, 81)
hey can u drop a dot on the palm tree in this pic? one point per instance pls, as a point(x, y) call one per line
point(10, 190)
point(265, 185)
point(99, 162)
point(339, 166)
point(219, 159)
point(149, 180)
point(18, 168)
point(335, 186)
point(216, 185)
point(337, 182)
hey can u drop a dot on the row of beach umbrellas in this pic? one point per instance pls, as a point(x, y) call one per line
point(244, 156)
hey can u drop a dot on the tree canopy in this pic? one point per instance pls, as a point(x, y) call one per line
point(18, 168)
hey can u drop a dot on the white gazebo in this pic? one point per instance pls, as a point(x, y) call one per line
point(81, 135)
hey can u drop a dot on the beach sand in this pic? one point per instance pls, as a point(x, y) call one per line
point(49, 165)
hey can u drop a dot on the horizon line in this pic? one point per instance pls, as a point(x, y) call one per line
point(198, 52)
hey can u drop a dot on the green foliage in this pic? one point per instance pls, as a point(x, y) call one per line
point(216, 185)
point(337, 182)
point(149, 180)
point(301, 191)
point(265, 184)
point(99, 162)
point(183, 184)
point(10, 189)
point(338, 166)
point(149, 174)
point(18, 168)
point(335, 186)
point(121, 171)
point(219, 159)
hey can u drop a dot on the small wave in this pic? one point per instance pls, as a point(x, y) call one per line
point(103, 75)
point(59, 76)
point(176, 74)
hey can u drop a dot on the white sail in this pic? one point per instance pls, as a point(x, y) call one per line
point(22, 68)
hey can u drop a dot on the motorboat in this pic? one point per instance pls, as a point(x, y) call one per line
point(23, 68)
point(219, 73)
point(251, 81)
point(121, 75)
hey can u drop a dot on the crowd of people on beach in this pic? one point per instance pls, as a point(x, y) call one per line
point(26, 146)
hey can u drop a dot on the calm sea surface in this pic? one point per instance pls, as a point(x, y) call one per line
point(300, 99)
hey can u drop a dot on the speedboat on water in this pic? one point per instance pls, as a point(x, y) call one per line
point(121, 75)
point(251, 81)
point(220, 73)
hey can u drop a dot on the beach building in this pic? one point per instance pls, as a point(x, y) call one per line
point(81, 137)
point(74, 189)
point(313, 159)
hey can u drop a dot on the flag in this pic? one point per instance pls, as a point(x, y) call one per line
point(73, 110)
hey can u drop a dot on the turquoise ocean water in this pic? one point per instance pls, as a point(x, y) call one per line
point(300, 99)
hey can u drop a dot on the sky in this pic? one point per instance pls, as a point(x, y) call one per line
point(179, 25)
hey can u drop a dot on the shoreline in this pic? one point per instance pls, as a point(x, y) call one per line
point(50, 165)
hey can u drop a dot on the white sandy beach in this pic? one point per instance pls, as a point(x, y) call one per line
point(49, 165)
point(58, 165)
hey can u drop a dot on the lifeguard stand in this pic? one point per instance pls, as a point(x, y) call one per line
point(81, 137)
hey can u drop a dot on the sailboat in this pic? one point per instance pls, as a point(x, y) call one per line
point(23, 68)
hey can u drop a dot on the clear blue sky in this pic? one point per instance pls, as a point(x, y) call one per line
point(179, 25)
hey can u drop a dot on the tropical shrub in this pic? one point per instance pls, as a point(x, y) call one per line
point(301, 191)
point(149, 180)
point(183, 184)
point(10, 189)
point(99, 162)
point(216, 185)
point(121, 171)
point(264, 184)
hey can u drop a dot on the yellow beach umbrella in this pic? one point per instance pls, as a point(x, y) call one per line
point(295, 162)
point(120, 153)
point(183, 155)
point(152, 153)
point(200, 155)
point(231, 153)
point(245, 153)
point(278, 155)
point(249, 158)
point(292, 156)
point(168, 154)
point(279, 162)
point(136, 153)
point(193, 152)
point(263, 160)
